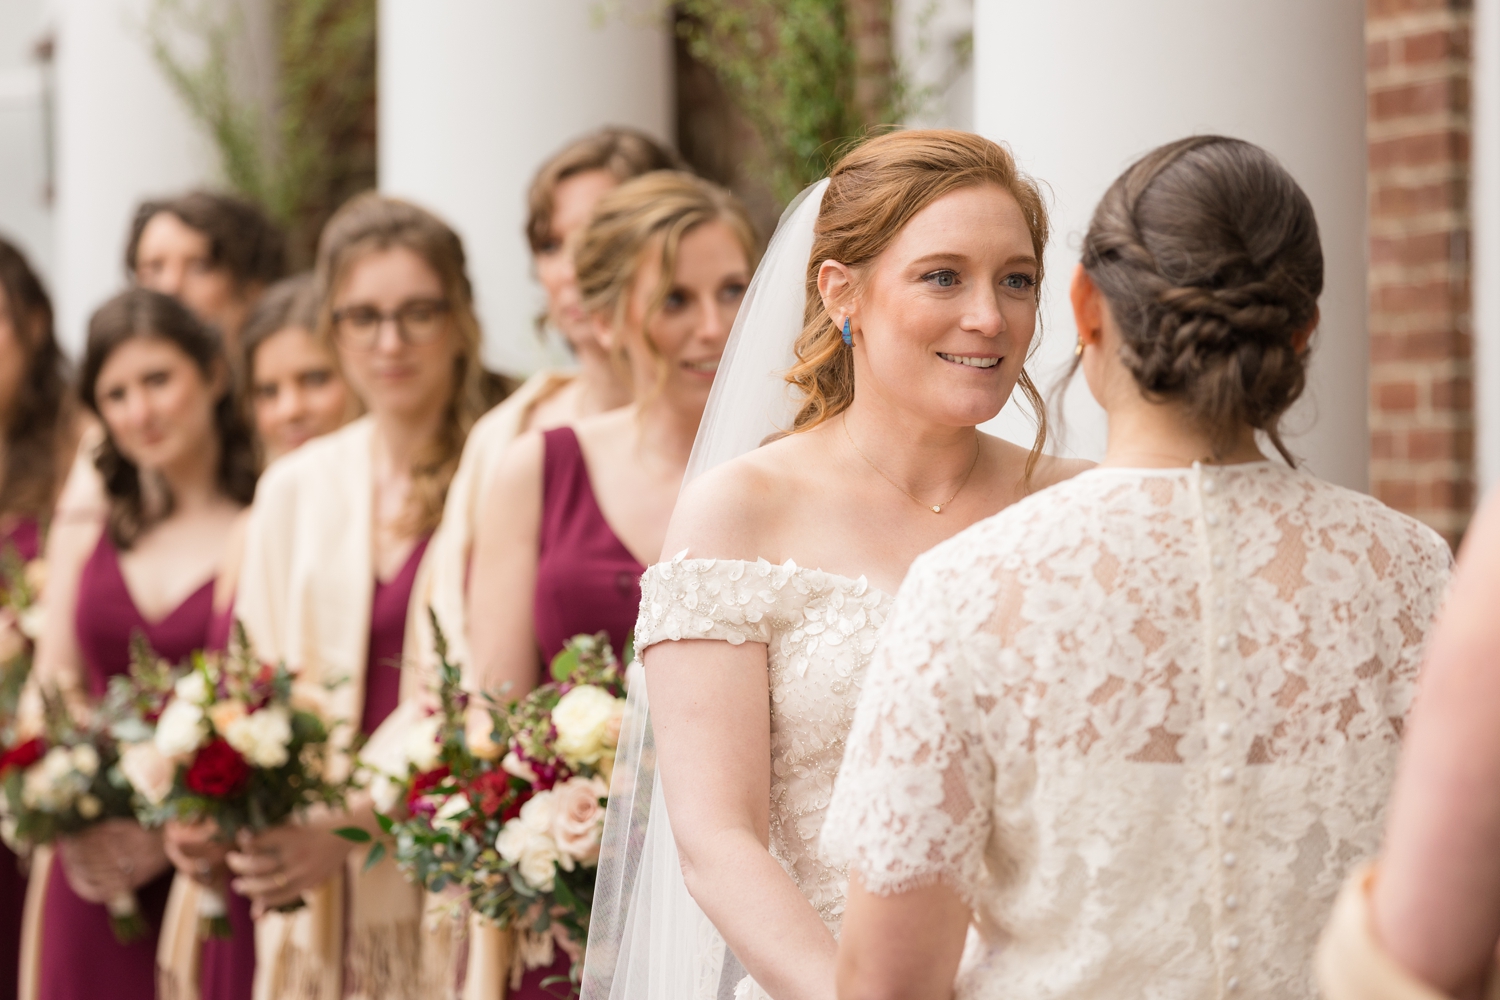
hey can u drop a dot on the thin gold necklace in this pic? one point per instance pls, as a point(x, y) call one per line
point(936, 508)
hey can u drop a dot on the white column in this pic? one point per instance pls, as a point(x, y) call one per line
point(25, 215)
point(122, 135)
point(1485, 276)
point(475, 94)
point(1080, 88)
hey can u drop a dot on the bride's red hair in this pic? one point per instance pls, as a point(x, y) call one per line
point(873, 192)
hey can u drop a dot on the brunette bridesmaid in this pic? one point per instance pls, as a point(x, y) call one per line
point(334, 542)
point(39, 429)
point(574, 514)
point(177, 467)
point(215, 253)
point(293, 391)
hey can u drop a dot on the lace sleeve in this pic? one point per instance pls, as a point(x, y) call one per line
point(912, 804)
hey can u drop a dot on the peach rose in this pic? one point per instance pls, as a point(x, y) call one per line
point(224, 714)
point(147, 770)
point(578, 821)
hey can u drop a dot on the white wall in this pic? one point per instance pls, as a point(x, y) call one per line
point(475, 94)
point(1486, 214)
point(25, 214)
point(1080, 88)
point(122, 136)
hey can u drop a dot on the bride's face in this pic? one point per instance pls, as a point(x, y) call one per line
point(943, 318)
point(673, 356)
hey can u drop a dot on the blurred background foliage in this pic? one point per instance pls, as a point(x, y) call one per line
point(769, 93)
point(306, 142)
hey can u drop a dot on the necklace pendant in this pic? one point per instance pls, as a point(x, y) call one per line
point(937, 508)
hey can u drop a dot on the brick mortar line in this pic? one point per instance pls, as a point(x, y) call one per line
point(1401, 74)
point(1433, 123)
point(1385, 27)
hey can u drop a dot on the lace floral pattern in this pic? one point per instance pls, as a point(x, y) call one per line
point(1144, 722)
point(819, 630)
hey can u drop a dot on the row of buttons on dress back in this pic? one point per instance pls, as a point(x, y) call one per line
point(1221, 753)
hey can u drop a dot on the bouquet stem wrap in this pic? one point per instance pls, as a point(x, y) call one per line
point(125, 917)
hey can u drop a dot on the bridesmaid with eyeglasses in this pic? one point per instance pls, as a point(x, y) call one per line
point(334, 544)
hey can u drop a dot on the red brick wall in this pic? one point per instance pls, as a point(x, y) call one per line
point(1421, 352)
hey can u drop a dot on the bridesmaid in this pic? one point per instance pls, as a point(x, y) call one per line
point(574, 513)
point(39, 429)
point(213, 252)
point(562, 197)
point(177, 468)
point(333, 546)
point(294, 391)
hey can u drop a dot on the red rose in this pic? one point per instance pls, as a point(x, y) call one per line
point(420, 786)
point(23, 755)
point(218, 771)
point(489, 791)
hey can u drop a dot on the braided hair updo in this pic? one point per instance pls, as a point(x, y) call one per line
point(1207, 251)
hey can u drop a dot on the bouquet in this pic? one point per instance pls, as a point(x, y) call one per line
point(65, 781)
point(235, 742)
point(511, 813)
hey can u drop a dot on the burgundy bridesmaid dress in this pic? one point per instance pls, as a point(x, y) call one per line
point(24, 538)
point(587, 581)
point(81, 960)
point(227, 971)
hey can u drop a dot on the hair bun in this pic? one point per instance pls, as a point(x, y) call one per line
point(1208, 253)
point(1252, 313)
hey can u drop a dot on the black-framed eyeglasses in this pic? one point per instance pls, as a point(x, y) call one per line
point(419, 321)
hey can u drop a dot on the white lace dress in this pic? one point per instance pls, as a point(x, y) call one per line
point(1144, 722)
point(819, 630)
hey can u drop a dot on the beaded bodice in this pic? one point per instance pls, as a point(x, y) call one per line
point(819, 630)
point(1144, 722)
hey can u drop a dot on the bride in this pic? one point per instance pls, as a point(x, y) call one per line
point(909, 281)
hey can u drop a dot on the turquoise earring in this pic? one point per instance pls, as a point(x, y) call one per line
point(848, 336)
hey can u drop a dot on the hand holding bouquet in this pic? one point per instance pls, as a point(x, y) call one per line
point(65, 782)
point(236, 743)
point(519, 836)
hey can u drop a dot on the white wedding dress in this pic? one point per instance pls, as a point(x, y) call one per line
point(819, 630)
point(1144, 723)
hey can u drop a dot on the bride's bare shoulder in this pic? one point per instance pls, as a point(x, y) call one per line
point(731, 511)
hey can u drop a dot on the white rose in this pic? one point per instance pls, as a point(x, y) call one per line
point(30, 621)
point(262, 737)
point(421, 746)
point(446, 818)
point(85, 761)
point(180, 730)
point(89, 806)
point(585, 718)
point(533, 853)
point(192, 687)
point(385, 792)
point(147, 771)
point(538, 812)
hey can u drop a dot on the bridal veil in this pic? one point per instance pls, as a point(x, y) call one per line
point(647, 937)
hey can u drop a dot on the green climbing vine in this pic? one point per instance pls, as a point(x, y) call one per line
point(314, 146)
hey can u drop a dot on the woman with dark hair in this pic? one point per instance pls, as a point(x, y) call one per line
point(177, 467)
point(39, 429)
point(293, 391)
point(1127, 736)
point(214, 252)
